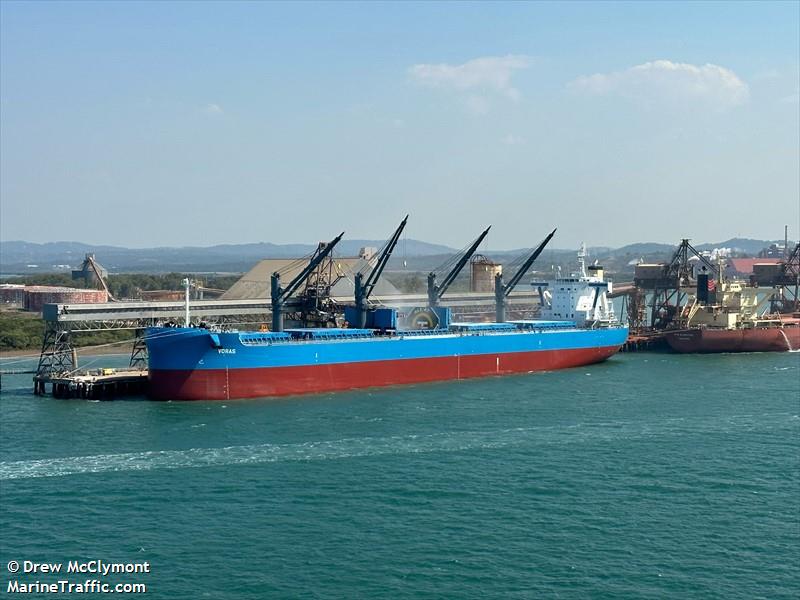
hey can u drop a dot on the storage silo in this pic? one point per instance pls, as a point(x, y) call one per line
point(37, 296)
point(482, 273)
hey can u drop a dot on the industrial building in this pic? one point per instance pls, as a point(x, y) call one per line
point(255, 283)
point(12, 294)
point(743, 268)
point(36, 296)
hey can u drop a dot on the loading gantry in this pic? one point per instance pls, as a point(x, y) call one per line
point(318, 277)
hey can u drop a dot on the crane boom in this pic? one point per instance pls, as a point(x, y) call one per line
point(363, 289)
point(372, 280)
point(502, 291)
point(512, 283)
point(280, 294)
point(435, 292)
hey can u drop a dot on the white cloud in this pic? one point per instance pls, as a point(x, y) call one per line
point(486, 74)
point(667, 80)
point(213, 109)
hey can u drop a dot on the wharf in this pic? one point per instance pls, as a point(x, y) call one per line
point(98, 384)
point(646, 342)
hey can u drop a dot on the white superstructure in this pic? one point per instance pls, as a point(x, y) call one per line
point(582, 297)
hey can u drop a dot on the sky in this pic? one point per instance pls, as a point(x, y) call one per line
point(173, 124)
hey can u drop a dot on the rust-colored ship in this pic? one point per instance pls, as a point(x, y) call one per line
point(728, 317)
point(774, 337)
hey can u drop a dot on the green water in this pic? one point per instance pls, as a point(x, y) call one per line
point(648, 476)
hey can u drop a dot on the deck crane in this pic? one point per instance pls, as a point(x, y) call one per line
point(280, 294)
point(502, 291)
point(435, 292)
point(363, 289)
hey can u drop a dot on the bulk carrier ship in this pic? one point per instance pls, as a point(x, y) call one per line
point(732, 319)
point(578, 327)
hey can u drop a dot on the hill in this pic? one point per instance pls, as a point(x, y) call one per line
point(19, 257)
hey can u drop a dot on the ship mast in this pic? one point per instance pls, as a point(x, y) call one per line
point(582, 260)
point(187, 284)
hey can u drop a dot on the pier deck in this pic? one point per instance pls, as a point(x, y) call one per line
point(646, 342)
point(99, 384)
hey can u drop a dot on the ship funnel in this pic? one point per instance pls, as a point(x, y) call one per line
point(702, 288)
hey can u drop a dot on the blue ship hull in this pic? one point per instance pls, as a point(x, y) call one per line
point(195, 363)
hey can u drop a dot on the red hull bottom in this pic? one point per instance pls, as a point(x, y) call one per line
point(224, 384)
point(766, 339)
